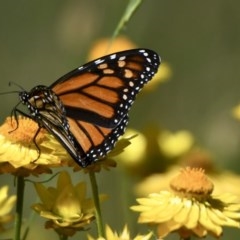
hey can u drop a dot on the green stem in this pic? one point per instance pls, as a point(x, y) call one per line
point(99, 221)
point(129, 11)
point(63, 237)
point(19, 207)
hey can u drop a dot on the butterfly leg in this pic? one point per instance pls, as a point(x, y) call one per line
point(14, 115)
point(36, 145)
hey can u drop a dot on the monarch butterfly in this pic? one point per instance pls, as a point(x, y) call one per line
point(87, 109)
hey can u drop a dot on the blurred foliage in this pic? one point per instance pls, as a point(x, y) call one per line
point(42, 40)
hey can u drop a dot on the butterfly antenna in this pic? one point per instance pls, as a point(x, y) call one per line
point(15, 84)
point(14, 91)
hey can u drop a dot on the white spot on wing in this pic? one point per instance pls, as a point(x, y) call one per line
point(98, 61)
point(124, 97)
point(113, 56)
point(122, 58)
point(131, 84)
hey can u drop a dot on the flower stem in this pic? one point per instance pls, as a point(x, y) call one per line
point(99, 221)
point(19, 207)
point(63, 237)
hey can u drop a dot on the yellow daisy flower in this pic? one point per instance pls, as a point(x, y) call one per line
point(190, 209)
point(125, 235)
point(224, 181)
point(19, 154)
point(6, 205)
point(66, 206)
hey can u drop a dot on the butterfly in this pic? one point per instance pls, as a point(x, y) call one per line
point(86, 110)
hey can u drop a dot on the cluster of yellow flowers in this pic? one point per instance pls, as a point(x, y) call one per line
point(182, 203)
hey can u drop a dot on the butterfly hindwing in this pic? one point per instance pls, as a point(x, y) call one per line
point(96, 141)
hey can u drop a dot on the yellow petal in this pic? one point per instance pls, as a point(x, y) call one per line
point(193, 217)
point(206, 221)
point(46, 196)
point(183, 215)
point(220, 219)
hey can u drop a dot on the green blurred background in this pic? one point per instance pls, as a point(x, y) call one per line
point(42, 40)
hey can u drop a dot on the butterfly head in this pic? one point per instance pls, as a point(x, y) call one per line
point(42, 98)
point(24, 96)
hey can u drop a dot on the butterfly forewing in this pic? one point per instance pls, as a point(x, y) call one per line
point(105, 89)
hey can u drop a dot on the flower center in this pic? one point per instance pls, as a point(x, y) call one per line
point(192, 182)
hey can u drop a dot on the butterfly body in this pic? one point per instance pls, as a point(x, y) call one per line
point(87, 109)
point(42, 98)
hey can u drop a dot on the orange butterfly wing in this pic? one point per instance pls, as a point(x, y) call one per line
point(98, 96)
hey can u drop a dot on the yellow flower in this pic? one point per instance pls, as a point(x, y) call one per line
point(190, 209)
point(19, 154)
point(125, 235)
point(224, 181)
point(153, 150)
point(236, 112)
point(6, 205)
point(156, 182)
point(175, 144)
point(135, 153)
point(105, 46)
point(163, 75)
point(66, 206)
